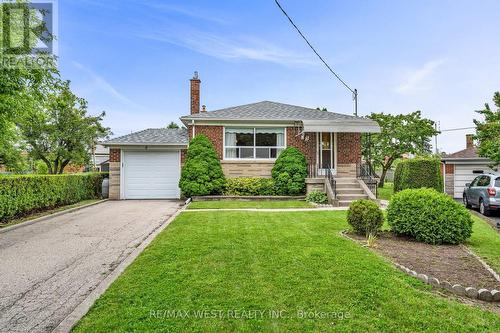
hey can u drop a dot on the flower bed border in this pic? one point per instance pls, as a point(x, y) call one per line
point(482, 294)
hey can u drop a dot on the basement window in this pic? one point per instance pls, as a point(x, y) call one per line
point(253, 142)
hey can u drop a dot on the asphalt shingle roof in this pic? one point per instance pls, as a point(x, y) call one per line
point(267, 110)
point(464, 153)
point(153, 136)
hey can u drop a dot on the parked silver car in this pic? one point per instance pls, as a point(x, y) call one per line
point(484, 193)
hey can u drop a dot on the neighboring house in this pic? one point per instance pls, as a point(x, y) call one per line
point(462, 167)
point(247, 139)
point(100, 158)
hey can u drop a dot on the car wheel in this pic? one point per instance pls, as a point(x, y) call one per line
point(466, 202)
point(482, 208)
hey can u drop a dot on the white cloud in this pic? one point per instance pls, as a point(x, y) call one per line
point(100, 83)
point(419, 79)
point(193, 13)
point(243, 47)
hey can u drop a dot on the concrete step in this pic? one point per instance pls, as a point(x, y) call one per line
point(350, 190)
point(347, 185)
point(345, 180)
point(344, 203)
point(351, 197)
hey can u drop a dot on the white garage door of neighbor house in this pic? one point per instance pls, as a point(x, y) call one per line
point(151, 175)
point(465, 173)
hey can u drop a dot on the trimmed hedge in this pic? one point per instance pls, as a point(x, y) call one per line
point(249, 186)
point(202, 172)
point(365, 217)
point(429, 216)
point(290, 172)
point(24, 194)
point(317, 197)
point(418, 173)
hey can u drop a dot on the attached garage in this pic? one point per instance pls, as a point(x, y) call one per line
point(465, 173)
point(146, 164)
point(462, 167)
point(151, 174)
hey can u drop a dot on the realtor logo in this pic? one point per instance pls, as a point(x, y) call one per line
point(28, 31)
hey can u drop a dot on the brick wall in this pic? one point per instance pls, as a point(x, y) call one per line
point(213, 133)
point(308, 148)
point(349, 148)
point(449, 169)
point(114, 155)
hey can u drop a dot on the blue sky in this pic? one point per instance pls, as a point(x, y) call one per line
point(134, 59)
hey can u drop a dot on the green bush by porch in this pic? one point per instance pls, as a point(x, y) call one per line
point(202, 172)
point(22, 195)
point(249, 186)
point(290, 172)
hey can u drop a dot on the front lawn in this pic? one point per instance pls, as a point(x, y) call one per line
point(485, 242)
point(386, 192)
point(249, 204)
point(294, 267)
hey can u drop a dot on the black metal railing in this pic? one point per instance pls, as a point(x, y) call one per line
point(366, 173)
point(315, 171)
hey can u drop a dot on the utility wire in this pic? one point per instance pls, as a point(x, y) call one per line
point(456, 129)
point(314, 50)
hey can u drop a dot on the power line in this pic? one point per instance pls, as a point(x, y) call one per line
point(353, 91)
point(457, 129)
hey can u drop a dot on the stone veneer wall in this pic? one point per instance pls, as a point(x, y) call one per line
point(234, 169)
point(114, 174)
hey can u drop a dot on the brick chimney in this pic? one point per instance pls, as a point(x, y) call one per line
point(195, 94)
point(469, 140)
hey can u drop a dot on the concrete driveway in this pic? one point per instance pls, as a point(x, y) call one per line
point(48, 268)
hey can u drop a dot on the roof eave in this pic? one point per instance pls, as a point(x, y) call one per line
point(156, 144)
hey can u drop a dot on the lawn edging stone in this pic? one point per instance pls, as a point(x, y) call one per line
point(459, 290)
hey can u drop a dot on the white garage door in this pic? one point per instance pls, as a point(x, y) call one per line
point(465, 173)
point(151, 175)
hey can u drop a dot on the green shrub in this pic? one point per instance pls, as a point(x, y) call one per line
point(317, 197)
point(202, 173)
point(289, 172)
point(365, 217)
point(418, 173)
point(249, 186)
point(429, 216)
point(22, 195)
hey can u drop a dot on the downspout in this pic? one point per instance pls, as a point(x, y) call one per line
point(192, 126)
point(444, 177)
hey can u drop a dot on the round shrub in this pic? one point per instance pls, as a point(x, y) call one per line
point(365, 217)
point(202, 173)
point(290, 172)
point(317, 197)
point(429, 216)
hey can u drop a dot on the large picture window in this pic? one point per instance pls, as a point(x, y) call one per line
point(254, 143)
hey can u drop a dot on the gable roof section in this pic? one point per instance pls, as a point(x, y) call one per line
point(152, 136)
point(313, 120)
point(464, 155)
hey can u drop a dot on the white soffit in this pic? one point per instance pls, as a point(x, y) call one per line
point(356, 126)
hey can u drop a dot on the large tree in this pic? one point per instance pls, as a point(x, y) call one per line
point(59, 131)
point(21, 78)
point(488, 132)
point(400, 134)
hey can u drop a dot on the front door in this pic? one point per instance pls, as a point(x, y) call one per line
point(326, 154)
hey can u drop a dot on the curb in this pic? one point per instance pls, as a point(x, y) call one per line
point(46, 217)
point(67, 324)
point(487, 219)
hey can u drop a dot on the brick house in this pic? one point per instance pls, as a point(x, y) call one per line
point(247, 139)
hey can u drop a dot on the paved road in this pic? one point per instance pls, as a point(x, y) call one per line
point(48, 268)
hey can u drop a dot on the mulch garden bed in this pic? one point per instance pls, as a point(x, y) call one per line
point(451, 263)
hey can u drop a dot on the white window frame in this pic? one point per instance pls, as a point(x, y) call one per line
point(254, 144)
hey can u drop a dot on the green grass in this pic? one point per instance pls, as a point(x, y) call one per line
point(282, 262)
point(385, 193)
point(45, 213)
point(249, 204)
point(485, 242)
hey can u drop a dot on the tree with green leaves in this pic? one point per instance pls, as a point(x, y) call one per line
point(59, 131)
point(400, 134)
point(21, 79)
point(488, 132)
point(172, 125)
